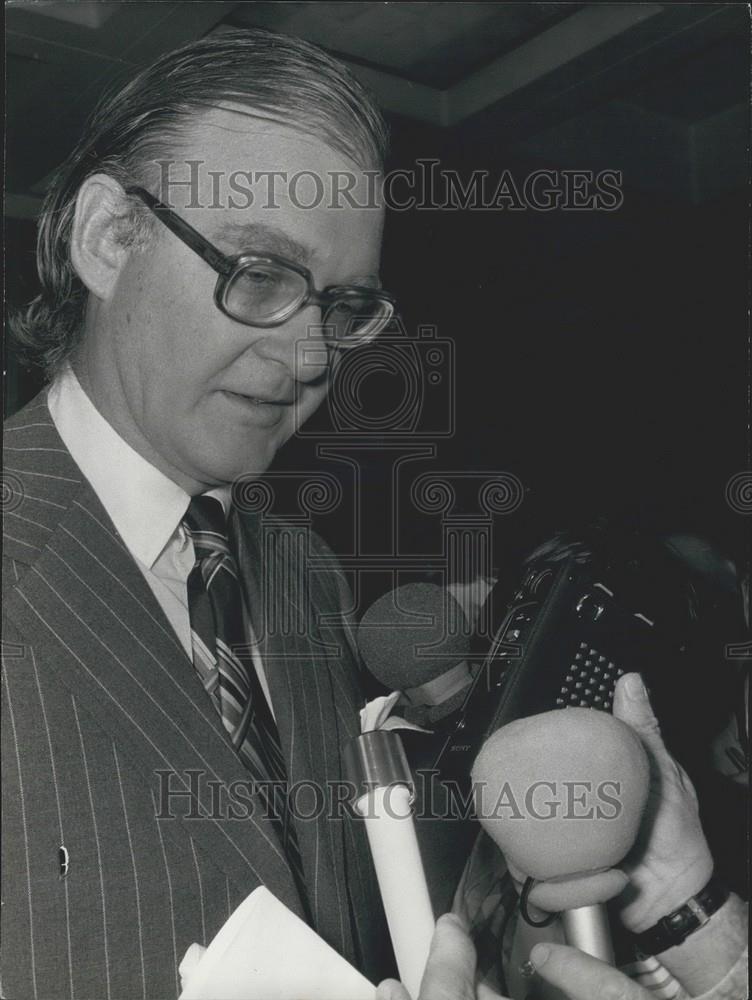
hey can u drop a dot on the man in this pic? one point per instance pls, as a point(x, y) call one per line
point(161, 393)
point(187, 335)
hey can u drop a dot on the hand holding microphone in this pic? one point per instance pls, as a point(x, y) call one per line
point(451, 972)
point(604, 752)
point(670, 834)
point(670, 860)
point(562, 794)
point(664, 855)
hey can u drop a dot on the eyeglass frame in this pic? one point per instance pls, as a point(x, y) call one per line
point(226, 266)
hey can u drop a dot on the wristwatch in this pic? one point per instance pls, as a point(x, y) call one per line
point(676, 926)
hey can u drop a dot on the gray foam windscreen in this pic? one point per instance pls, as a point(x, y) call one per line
point(412, 635)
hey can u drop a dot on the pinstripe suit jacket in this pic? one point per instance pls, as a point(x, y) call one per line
point(103, 713)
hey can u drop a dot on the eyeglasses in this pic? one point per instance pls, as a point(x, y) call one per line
point(264, 290)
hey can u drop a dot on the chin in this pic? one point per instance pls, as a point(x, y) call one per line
point(245, 466)
point(218, 454)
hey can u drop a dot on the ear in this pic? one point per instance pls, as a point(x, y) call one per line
point(97, 249)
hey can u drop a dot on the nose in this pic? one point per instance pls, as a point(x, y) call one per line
point(300, 345)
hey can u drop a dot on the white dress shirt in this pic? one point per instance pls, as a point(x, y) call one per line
point(146, 507)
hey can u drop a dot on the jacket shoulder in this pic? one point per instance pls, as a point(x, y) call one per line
point(39, 480)
point(34, 412)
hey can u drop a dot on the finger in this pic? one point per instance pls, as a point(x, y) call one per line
point(450, 972)
point(581, 976)
point(486, 993)
point(632, 705)
point(555, 895)
point(390, 989)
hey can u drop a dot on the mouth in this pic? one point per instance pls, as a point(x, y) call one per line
point(265, 409)
point(260, 400)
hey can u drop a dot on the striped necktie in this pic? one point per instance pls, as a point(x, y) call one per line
point(222, 659)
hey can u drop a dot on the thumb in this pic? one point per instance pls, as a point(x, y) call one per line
point(390, 989)
point(632, 705)
point(581, 976)
point(450, 970)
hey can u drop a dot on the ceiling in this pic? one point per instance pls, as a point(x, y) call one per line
point(436, 44)
point(661, 90)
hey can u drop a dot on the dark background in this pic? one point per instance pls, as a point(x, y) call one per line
point(601, 357)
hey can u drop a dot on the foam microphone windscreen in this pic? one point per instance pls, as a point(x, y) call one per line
point(412, 635)
point(562, 793)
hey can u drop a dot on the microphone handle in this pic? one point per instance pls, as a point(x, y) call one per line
point(587, 928)
point(396, 857)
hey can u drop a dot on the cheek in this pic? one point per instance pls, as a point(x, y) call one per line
point(311, 400)
point(172, 300)
point(170, 338)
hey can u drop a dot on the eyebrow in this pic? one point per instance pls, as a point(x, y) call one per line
point(259, 236)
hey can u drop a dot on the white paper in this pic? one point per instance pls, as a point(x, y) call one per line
point(265, 952)
point(376, 715)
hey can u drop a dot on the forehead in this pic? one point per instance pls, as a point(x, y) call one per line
point(248, 172)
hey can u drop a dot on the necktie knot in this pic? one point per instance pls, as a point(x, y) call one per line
point(205, 520)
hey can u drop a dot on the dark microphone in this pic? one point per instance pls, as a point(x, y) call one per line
point(562, 794)
point(417, 640)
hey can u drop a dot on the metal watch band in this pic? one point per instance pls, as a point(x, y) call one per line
point(676, 926)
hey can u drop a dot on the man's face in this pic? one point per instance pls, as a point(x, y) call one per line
point(203, 397)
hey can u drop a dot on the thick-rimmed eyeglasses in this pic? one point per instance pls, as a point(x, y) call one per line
point(265, 290)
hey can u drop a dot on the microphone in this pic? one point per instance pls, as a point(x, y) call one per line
point(376, 765)
point(416, 639)
point(562, 795)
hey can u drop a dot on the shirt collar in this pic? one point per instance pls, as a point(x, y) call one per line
point(146, 506)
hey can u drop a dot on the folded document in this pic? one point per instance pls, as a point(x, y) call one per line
point(265, 952)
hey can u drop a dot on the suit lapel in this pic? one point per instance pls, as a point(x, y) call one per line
point(276, 574)
point(96, 622)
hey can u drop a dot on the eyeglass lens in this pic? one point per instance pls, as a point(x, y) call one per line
point(266, 292)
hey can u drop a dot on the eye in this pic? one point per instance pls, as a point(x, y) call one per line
point(260, 277)
point(342, 308)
